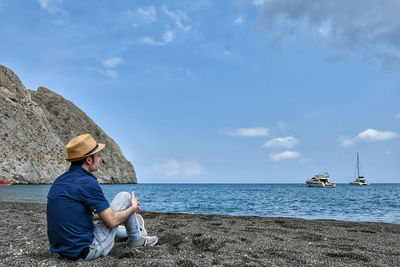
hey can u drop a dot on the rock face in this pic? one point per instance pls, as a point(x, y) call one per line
point(35, 126)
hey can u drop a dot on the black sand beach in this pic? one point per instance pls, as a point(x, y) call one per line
point(213, 240)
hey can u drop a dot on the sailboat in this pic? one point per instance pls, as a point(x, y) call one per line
point(360, 179)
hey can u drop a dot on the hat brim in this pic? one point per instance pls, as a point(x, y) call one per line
point(101, 146)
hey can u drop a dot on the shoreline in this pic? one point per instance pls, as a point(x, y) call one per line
point(213, 240)
point(223, 214)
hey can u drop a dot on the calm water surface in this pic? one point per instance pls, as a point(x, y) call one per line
point(377, 202)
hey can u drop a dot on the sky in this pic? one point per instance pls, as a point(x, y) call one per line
point(246, 91)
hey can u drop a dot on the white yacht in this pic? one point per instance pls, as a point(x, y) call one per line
point(360, 180)
point(320, 180)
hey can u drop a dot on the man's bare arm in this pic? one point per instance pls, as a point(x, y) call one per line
point(114, 218)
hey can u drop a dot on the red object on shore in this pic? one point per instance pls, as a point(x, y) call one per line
point(4, 183)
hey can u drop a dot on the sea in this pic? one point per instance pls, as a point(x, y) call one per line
point(374, 203)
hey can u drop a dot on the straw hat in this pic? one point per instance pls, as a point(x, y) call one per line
point(81, 147)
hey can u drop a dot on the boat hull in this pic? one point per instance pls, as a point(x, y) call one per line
point(320, 185)
point(316, 185)
point(4, 183)
point(360, 181)
point(360, 184)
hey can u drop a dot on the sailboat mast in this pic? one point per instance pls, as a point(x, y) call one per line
point(358, 166)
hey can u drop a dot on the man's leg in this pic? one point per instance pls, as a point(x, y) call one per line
point(121, 202)
point(137, 236)
point(103, 241)
point(104, 236)
point(121, 232)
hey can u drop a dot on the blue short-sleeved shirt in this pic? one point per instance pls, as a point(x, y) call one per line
point(72, 200)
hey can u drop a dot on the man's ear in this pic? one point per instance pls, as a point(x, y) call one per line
point(88, 160)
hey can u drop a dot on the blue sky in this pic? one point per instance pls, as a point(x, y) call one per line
point(243, 91)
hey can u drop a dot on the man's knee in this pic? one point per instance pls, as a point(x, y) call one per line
point(121, 201)
point(124, 195)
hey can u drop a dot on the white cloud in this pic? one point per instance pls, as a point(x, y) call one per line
point(239, 20)
point(147, 15)
point(109, 73)
point(143, 16)
point(324, 29)
point(58, 22)
point(168, 37)
point(109, 64)
point(112, 62)
point(150, 41)
point(51, 5)
point(275, 157)
point(367, 27)
point(369, 135)
point(251, 132)
point(173, 168)
point(104, 72)
point(288, 142)
point(397, 116)
point(258, 3)
point(192, 168)
point(348, 141)
point(178, 18)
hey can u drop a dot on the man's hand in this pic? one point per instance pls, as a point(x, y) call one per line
point(114, 218)
point(135, 203)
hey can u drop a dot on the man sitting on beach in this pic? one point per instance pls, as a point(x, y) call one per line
point(76, 198)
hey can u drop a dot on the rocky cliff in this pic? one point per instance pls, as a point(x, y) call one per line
point(35, 126)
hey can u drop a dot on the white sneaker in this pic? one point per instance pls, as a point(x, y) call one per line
point(143, 241)
point(140, 220)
